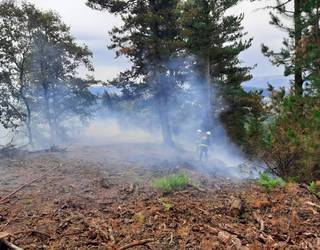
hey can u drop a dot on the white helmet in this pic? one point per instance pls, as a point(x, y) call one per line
point(199, 131)
point(208, 133)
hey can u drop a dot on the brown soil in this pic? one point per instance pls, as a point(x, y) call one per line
point(101, 198)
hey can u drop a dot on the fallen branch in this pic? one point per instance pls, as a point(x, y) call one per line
point(3, 200)
point(259, 220)
point(10, 245)
point(19, 188)
point(111, 235)
point(312, 204)
point(102, 233)
point(4, 235)
point(6, 243)
point(203, 211)
point(136, 243)
point(212, 230)
point(34, 232)
point(310, 191)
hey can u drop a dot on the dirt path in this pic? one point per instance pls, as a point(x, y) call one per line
point(101, 198)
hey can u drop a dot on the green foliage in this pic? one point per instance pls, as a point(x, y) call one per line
point(39, 60)
point(155, 33)
point(172, 182)
point(269, 182)
point(217, 55)
point(312, 186)
point(294, 147)
point(166, 204)
point(149, 39)
point(244, 122)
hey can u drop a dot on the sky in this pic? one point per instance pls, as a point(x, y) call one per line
point(91, 27)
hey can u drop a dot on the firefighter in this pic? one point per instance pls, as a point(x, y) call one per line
point(203, 146)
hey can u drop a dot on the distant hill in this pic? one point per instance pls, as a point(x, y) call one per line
point(100, 89)
point(257, 83)
point(261, 83)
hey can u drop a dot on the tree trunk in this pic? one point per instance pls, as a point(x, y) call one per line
point(208, 93)
point(298, 79)
point(47, 112)
point(28, 121)
point(26, 103)
point(164, 121)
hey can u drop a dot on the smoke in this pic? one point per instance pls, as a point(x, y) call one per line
point(109, 131)
point(124, 121)
point(131, 122)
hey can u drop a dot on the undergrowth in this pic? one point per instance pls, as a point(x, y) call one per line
point(269, 182)
point(312, 187)
point(170, 183)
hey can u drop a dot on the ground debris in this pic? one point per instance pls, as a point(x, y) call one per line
point(70, 209)
point(5, 244)
point(136, 243)
point(236, 207)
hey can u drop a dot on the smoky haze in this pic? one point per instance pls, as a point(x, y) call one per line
point(133, 125)
point(65, 113)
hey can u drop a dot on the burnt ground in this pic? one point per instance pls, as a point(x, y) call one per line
point(94, 197)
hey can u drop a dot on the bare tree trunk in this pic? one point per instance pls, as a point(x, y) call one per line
point(47, 112)
point(208, 90)
point(28, 121)
point(298, 79)
point(164, 120)
point(26, 103)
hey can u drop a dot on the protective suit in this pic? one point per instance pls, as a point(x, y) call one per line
point(203, 145)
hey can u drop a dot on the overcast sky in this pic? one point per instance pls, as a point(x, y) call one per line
point(91, 27)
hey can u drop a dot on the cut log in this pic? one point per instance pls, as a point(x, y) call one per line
point(236, 207)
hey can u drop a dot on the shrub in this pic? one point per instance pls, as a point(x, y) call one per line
point(172, 182)
point(312, 187)
point(288, 140)
point(269, 182)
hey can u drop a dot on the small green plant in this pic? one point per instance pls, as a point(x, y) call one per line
point(172, 182)
point(269, 182)
point(139, 217)
point(166, 204)
point(28, 201)
point(312, 187)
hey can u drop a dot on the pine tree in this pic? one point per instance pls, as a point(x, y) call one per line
point(149, 38)
point(309, 45)
point(291, 145)
point(288, 56)
point(216, 39)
